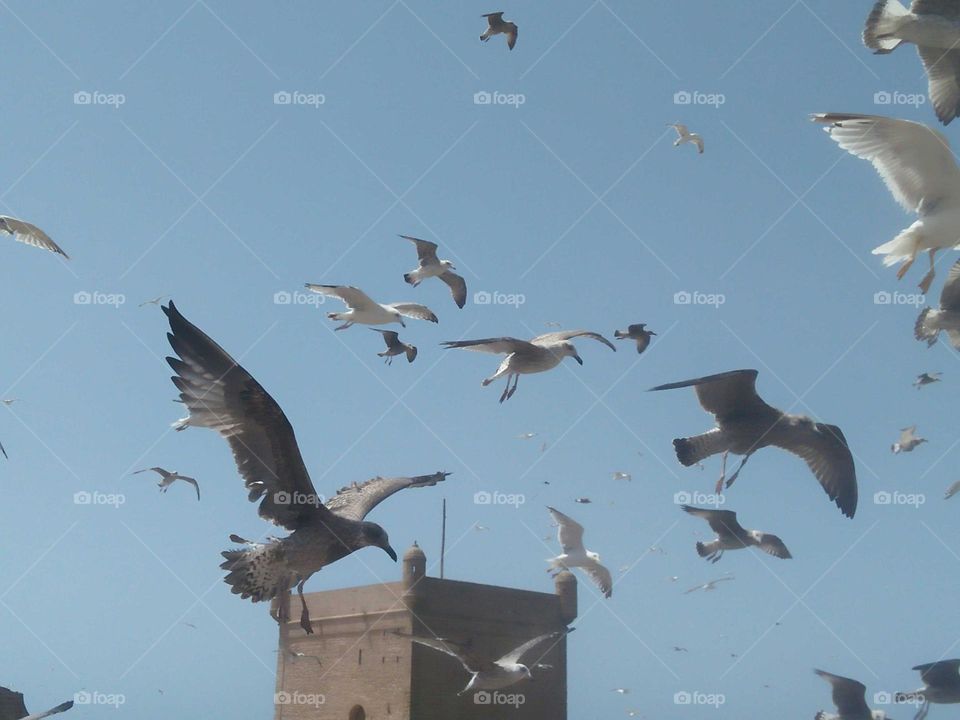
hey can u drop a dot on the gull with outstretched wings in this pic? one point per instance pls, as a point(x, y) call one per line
point(223, 396)
point(525, 357)
point(731, 535)
point(12, 707)
point(395, 346)
point(934, 27)
point(710, 585)
point(685, 136)
point(363, 310)
point(637, 332)
point(168, 478)
point(920, 171)
point(908, 442)
point(745, 424)
point(850, 698)
point(941, 685)
point(430, 265)
point(29, 234)
point(487, 673)
point(926, 378)
point(498, 26)
point(947, 317)
point(574, 555)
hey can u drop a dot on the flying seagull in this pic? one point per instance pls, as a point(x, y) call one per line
point(709, 585)
point(952, 490)
point(850, 698)
point(620, 475)
point(685, 136)
point(934, 27)
point(918, 168)
point(908, 441)
point(430, 266)
point(570, 535)
point(395, 347)
point(636, 332)
point(363, 310)
point(30, 234)
point(524, 357)
point(930, 322)
point(498, 26)
point(732, 536)
point(745, 424)
point(926, 379)
point(9, 401)
point(168, 478)
point(941, 685)
point(222, 396)
point(13, 708)
point(154, 301)
point(487, 673)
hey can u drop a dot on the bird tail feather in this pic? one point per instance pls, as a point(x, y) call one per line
point(882, 24)
point(411, 353)
point(705, 549)
point(924, 328)
point(257, 571)
point(902, 247)
point(692, 450)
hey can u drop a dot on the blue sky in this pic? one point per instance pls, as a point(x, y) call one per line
point(200, 187)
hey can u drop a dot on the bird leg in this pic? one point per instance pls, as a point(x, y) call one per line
point(283, 606)
point(304, 613)
point(723, 472)
point(903, 268)
point(737, 472)
point(928, 278)
point(344, 326)
point(516, 379)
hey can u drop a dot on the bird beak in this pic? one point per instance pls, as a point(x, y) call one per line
point(578, 359)
point(651, 332)
point(402, 323)
point(391, 552)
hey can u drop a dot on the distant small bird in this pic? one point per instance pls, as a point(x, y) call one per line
point(636, 332)
point(24, 232)
point(926, 379)
point(941, 685)
point(618, 475)
point(395, 347)
point(154, 301)
point(908, 440)
point(930, 322)
point(13, 708)
point(952, 490)
point(685, 136)
point(362, 309)
point(499, 26)
point(733, 536)
point(167, 479)
point(621, 691)
point(429, 266)
point(677, 648)
point(4, 452)
point(583, 500)
point(570, 535)
point(526, 436)
point(850, 698)
point(9, 401)
point(480, 528)
point(709, 585)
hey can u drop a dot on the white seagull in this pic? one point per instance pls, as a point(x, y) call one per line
point(570, 535)
point(934, 27)
point(168, 478)
point(430, 266)
point(947, 318)
point(918, 167)
point(498, 26)
point(362, 309)
point(29, 234)
point(395, 347)
point(731, 535)
point(685, 136)
point(908, 441)
point(524, 357)
point(13, 708)
point(850, 698)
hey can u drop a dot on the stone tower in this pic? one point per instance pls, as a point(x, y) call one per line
point(356, 667)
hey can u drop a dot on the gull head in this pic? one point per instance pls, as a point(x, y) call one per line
point(375, 536)
point(593, 556)
point(448, 264)
point(399, 318)
point(567, 349)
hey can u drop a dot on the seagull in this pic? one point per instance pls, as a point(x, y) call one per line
point(363, 310)
point(619, 475)
point(583, 500)
point(941, 685)
point(395, 347)
point(486, 673)
point(167, 479)
point(952, 490)
point(500, 26)
point(524, 357)
point(526, 436)
point(685, 136)
point(430, 266)
point(926, 379)
point(570, 535)
point(30, 234)
point(636, 332)
point(930, 322)
point(9, 401)
point(154, 301)
point(223, 396)
point(850, 698)
point(745, 423)
point(934, 27)
point(918, 168)
point(732, 536)
point(908, 440)
point(12, 707)
point(709, 585)
point(621, 691)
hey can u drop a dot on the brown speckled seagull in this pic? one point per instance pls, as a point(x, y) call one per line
point(498, 26)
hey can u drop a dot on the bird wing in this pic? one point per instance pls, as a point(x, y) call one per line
point(390, 337)
point(824, 449)
point(4, 452)
point(413, 310)
point(357, 500)
point(726, 394)
point(494, 18)
point(908, 435)
point(193, 482)
point(943, 73)
point(496, 346)
point(426, 250)
point(29, 234)
point(947, 9)
point(681, 129)
point(952, 490)
point(458, 287)
point(512, 35)
point(600, 576)
point(564, 335)
point(354, 298)
point(722, 522)
point(470, 663)
point(11, 705)
point(221, 395)
point(513, 657)
point(771, 545)
point(940, 673)
point(569, 532)
point(848, 695)
point(914, 160)
point(950, 295)
point(698, 141)
point(62, 707)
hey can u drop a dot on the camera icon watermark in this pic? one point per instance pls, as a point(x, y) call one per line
point(95, 497)
point(295, 97)
point(485, 297)
point(695, 697)
point(85, 697)
point(697, 498)
point(895, 497)
point(95, 97)
point(284, 697)
point(696, 97)
point(85, 297)
point(686, 297)
point(495, 697)
point(297, 499)
point(895, 97)
point(485, 497)
point(285, 297)
point(484, 97)
point(899, 298)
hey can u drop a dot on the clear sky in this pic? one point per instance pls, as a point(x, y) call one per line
point(183, 177)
